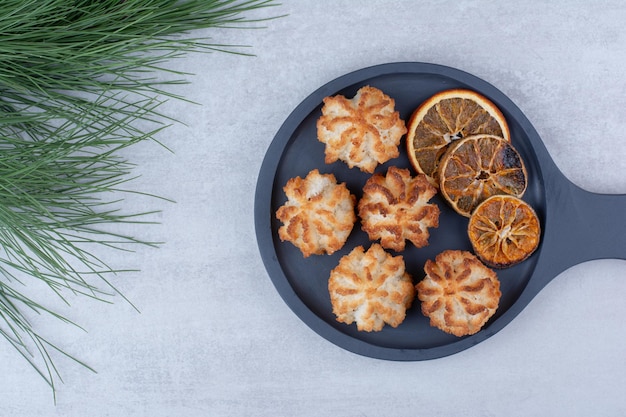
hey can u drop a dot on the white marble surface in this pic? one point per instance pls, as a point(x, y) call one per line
point(213, 337)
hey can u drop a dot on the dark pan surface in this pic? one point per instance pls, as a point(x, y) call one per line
point(302, 283)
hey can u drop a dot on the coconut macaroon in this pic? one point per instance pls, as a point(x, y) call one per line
point(370, 288)
point(318, 215)
point(459, 293)
point(395, 207)
point(363, 131)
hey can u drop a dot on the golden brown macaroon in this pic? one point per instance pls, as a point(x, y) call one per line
point(394, 208)
point(370, 288)
point(318, 215)
point(459, 293)
point(363, 131)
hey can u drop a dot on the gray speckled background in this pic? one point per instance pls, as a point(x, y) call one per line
point(215, 339)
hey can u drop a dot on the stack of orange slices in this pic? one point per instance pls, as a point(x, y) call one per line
point(445, 118)
point(461, 141)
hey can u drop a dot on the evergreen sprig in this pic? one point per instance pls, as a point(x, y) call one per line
point(79, 82)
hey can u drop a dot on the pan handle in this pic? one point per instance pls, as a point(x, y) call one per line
point(582, 226)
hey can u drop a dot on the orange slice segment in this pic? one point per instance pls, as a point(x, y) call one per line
point(476, 168)
point(446, 117)
point(504, 230)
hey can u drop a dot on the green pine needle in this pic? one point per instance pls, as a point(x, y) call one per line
point(78, 84)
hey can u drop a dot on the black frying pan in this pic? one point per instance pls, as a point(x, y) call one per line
point(577, 225)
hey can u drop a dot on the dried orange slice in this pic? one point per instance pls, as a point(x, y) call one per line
point(445, 117)
point(504, 230)
point(475, 168)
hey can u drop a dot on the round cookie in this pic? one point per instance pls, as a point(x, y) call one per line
point(395, 208)
point(363, 131)
point(318, 215)
point(370, 288)
point(459, 293)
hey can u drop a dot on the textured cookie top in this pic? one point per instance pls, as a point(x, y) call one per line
point(459, 293)
point(395, 207)
point(370, 288)
point(363, 131)
point(318, 215)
